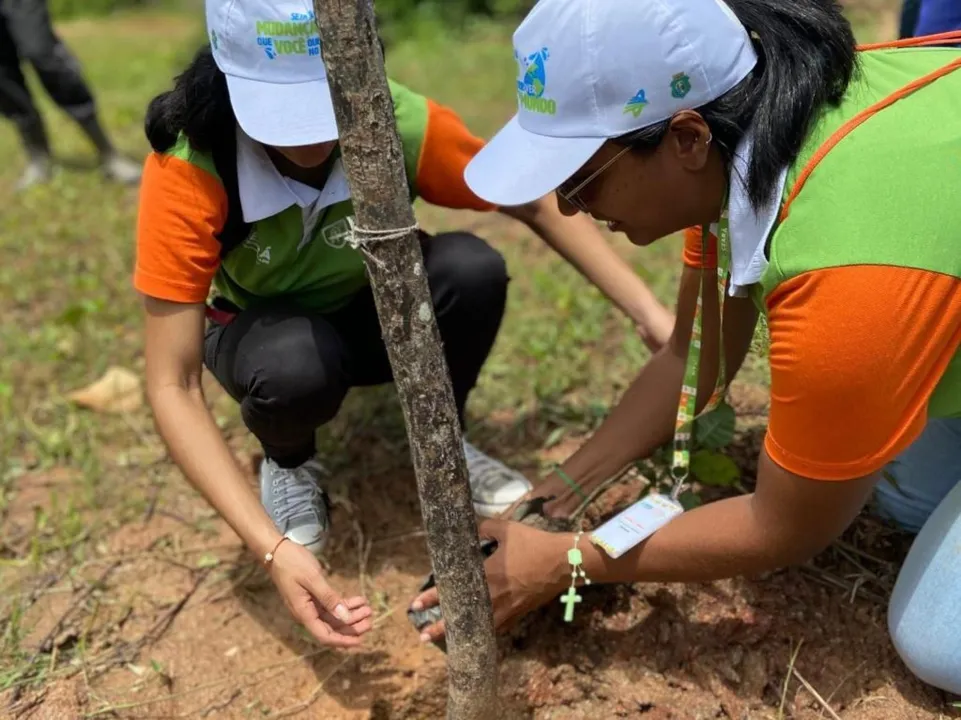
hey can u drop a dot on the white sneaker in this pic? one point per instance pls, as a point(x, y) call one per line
point(296, 503)
point(494, 486)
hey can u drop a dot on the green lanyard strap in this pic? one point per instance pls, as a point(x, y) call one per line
point(684, 426)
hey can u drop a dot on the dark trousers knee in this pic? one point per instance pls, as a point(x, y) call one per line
point(468, 282)
point(288, 374)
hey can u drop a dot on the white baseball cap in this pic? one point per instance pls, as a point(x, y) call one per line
point(591, 70)
point(270, 52)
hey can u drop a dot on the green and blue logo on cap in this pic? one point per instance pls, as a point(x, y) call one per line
point(296, 36)
point(532, 83)
point(635, 106)
point(680, 85)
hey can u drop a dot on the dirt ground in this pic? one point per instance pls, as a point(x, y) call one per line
point(175, 620)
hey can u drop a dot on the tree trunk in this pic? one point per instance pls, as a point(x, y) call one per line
point(374, 163)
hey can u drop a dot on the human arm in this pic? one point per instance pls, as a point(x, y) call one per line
point(578, 240)
point(643, 420)
point(176, 257)
point(851, 385)
point(448, 147)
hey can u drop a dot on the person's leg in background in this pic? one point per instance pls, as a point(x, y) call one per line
point(29, 27)
point(922, 491)
point(17, 105)
point(937, 16)
point(909, 18)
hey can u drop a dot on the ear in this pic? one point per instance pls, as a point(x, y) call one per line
point(689, 138)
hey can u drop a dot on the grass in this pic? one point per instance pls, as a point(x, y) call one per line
point(69, 478)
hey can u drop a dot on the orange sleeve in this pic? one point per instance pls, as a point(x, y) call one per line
point(856, 353)
point(182, 207)
point(448, 147)
point(692, 249)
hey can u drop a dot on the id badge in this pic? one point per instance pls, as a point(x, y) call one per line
point(635, 524)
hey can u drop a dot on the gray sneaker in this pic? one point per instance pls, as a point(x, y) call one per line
point(494, 486)
point(121, 170)
point(37, 172)
point(296, 503)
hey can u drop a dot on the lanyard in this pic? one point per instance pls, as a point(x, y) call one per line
point(684, 425)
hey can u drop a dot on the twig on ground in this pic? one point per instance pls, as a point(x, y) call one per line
point(129, 652)
point(844, 680)
point(575, 516)
point(216, 707)
point(787, 680)
point(831, 580)
point(814, 692)
point(400, 536)
point(861, 553)
point(46, 643)
point(280, 666)
point(315, 693)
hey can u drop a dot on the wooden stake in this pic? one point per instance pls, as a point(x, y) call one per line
point(374, 164)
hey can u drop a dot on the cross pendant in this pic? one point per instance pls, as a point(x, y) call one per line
point(570, 598)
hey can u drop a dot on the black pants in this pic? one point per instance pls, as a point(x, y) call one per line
point(26, 35)
point(290, 371)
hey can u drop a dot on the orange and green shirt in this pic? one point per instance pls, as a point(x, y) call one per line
point(298, 254)
point(863, 288)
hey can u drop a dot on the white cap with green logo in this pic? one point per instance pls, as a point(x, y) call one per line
point(591, 70)
point(270, 52)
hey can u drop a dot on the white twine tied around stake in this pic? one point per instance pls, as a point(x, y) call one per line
point(360, 238)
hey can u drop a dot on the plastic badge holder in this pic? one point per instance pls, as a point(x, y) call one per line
point(635, 524)
point(420, 619)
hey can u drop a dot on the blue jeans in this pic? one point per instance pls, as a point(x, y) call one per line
point(924, 615)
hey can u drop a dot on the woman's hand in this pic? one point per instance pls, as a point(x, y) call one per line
point(329, 618)
point(528, 569)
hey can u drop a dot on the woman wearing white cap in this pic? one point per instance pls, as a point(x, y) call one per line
point(245, 193)
point(827, 180)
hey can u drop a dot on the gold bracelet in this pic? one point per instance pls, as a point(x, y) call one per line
point(269, 557)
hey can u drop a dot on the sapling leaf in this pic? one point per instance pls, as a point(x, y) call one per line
point(714, 469)
point(715, 430)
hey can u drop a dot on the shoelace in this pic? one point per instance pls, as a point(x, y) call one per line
point(484, 472)
point(301, 497)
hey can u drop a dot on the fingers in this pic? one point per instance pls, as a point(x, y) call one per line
point(326, 635)
point(360, 621)
point(327, 598)
point(493, 528)
point(426, 599)
point(433, 633)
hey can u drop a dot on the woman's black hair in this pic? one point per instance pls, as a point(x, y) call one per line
point(198, 106)
point(806, 59)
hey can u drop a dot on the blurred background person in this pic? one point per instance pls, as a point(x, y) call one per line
point(27, 36)
point(929, 17)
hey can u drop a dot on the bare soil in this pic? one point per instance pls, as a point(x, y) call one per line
point(181, 622)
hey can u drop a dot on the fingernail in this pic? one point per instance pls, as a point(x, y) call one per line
point(417, 605)
point(342, 613)
point(424, 638)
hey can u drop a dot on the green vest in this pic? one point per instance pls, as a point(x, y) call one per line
point(273, 264)
point(885, 194)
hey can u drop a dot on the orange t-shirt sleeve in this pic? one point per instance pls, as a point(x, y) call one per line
point(692, 249)
point(182, 207)
point(856, 353)
point(448, 147)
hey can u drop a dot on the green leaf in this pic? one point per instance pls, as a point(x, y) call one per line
point(689, 500)
point(208, 560)
point(714, 469)
point(555, 437)
point(715, 430)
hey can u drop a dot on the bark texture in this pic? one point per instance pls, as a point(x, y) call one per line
point(374, 163)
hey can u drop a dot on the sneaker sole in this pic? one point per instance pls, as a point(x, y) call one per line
point(491, 510)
